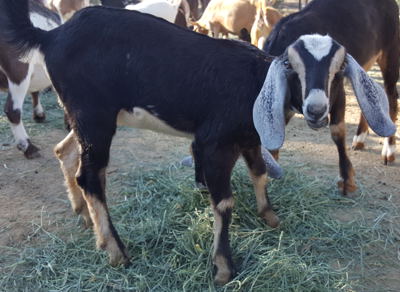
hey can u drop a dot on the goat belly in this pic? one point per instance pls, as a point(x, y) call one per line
point(142, 119)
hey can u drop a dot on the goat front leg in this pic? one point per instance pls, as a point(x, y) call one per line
point(13, 109)
point(258, 174)
point(218, 165)
point(338, 132)
point(67, 152)
point(38, 113)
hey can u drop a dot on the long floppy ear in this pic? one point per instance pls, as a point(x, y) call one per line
point(268, 110)
point(372, 99)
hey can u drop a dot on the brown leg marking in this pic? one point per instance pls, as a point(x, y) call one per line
point(224, 270)
point(347, 183)
point(104, 234)
point(67, 151)
point(263, 205)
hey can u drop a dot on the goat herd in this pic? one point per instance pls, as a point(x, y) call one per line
point(113, 66)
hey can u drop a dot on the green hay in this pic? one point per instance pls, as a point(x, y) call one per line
point(167, 227)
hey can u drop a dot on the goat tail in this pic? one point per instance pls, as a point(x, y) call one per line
point(18, 29)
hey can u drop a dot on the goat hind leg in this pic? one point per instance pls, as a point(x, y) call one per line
point(95, 145)
point(67, 152)
point(38, 113)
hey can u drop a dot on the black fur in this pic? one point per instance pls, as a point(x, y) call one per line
point(105, 60)
point(364, 28)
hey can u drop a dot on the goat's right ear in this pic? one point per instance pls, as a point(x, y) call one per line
point(268, 110)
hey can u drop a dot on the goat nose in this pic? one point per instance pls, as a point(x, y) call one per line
point(316, 111)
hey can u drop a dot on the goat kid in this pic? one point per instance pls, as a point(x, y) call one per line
point(19, 78)
point(208, 94)
point(372, 36)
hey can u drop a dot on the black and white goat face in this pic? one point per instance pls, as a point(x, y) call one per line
point(302, 79)
point(316, 61)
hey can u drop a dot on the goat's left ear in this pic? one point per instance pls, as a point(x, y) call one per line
point(372, 99)
point(268, 110)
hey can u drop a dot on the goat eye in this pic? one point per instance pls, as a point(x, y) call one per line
point(287, 65)
point(343, 66)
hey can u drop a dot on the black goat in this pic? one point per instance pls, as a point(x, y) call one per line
point(369, 30)
point(175, 81)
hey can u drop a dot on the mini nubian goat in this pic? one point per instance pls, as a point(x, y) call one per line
point(153, 79)
point(369, 30)
point(19, 78)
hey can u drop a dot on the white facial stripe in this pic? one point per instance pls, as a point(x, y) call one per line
point(318, 46)
point(336, 62)
point(316, 98)
point(142, 119)
point(297, 64)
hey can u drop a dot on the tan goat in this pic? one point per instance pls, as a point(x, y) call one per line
point(265, 19)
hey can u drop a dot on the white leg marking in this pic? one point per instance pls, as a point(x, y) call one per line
point(388, 150)
point(38, 110)
point(360, 138)
point(20, 136)
point(18, 93)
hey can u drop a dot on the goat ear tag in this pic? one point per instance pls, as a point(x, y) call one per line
point(268, 110)
point(372, 99)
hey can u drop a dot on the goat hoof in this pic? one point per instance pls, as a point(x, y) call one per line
point(39, 118)
point(32, 151)
point(358, 146)
point(116, 256)
point(347, 188)
point(271, 219)
point(119, 261)
point(388, 159)
point(224, 273)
